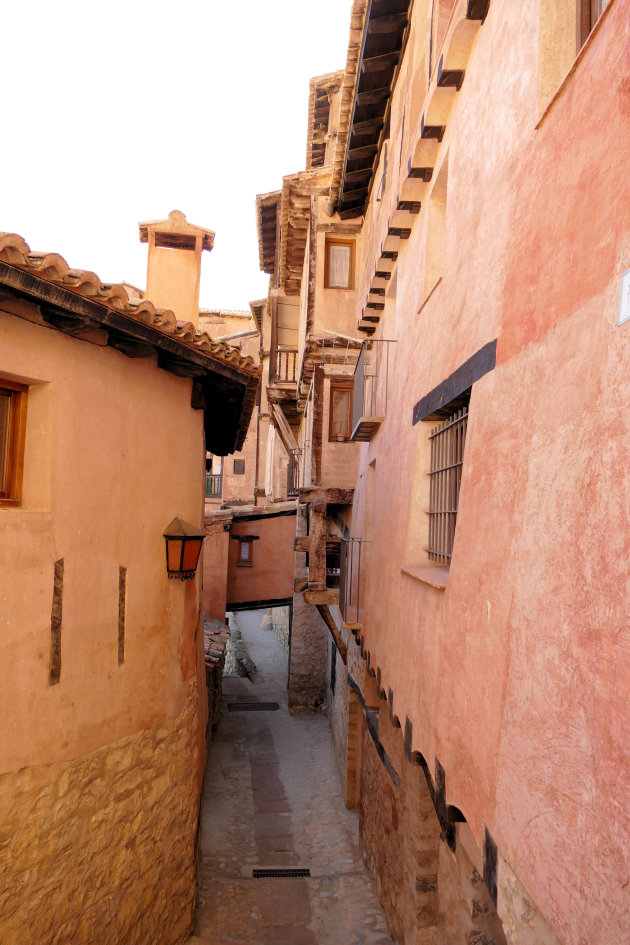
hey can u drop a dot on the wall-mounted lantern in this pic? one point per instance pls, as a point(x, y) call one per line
point(183, 547)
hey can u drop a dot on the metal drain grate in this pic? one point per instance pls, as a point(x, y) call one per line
point(280, 874)
point(253, 706)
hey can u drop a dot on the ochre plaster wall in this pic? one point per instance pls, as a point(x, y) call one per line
point(513, 677)
point(240, 487)
point(113, 452)
point(215, 569)
point(339, 460)
point(333, 309)
point(271, 575)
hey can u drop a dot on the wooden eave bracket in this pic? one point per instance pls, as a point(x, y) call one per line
point(67, 311)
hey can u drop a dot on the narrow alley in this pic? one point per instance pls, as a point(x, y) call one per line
point(272, 799)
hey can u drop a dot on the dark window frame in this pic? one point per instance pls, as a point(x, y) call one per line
point(448, 443)
point(13, 450)
point(244, 562)
point(239, 467)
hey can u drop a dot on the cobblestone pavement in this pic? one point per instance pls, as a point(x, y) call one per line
point(272, 798)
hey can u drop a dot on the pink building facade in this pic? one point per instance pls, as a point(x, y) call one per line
point(473, 164)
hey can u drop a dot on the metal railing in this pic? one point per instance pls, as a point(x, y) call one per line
point(447, 456)
point(371, 380)
point(350, 579)
point(286, 364)
point(214, 484)
point(293, 473)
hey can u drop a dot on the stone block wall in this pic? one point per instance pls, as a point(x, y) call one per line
point(400, 838)
point(308, 658)
point(522, 920)
point(337, 701)
point(280, 623)
point(430, 892)
point(101, 849)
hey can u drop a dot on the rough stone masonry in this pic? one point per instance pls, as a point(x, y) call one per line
point(102, 848)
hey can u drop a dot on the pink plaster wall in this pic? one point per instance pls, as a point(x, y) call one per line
point(515, 676)
point(113, 452)
point(271, 574)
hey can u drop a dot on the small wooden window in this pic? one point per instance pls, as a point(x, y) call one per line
point(12, 432)
point(245, 554)
point(239, 467)
point(339, 264)
point(340, 424)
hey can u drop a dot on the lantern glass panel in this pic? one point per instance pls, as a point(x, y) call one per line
point(174, 553)
point(192, 547)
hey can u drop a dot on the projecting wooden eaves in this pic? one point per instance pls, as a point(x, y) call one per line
point(77, 303)
point(295, 217)
point(322, 88)
point(267, 220)
point(384, 38)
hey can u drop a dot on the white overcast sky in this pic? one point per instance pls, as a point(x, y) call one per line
point(119, 112)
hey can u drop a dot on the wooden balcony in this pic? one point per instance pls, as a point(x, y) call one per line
point(371, 379)
point(285, 365)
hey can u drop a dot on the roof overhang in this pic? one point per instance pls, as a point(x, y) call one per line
point(297, 191)
point(258, 310)
point(371, 72)
point(321, 90)
point(225, 384)
point(267, 223)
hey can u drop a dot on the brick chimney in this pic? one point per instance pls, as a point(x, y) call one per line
point(174, 264)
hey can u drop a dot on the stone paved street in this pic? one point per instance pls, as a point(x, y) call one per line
point(272, 798)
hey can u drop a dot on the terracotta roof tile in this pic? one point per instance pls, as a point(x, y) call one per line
point(53, 268)
point(215, 638)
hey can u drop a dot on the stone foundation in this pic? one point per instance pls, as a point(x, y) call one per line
point(400, 838)
point(338, 713)
point(102, 849)
point(522, 921)
point(430, 893)
point(308, 658)
point(279, 620)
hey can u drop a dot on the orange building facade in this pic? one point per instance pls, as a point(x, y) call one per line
point(461, 224)
point(107, 404)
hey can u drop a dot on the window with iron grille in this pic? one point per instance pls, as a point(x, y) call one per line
point(448, 439)
point(239, 467)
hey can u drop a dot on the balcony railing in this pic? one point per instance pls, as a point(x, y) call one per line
point(214, 485)
point(293, 473)
point(350, 579)
point(286, 364)
point(371, 380)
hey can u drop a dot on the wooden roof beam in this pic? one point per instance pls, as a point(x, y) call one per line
point(369, 127)
point(390, 23)
point(373, 97)
point(386, 62)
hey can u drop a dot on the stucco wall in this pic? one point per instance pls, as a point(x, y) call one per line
point(239, 487)
point(215, 558)
point(271, 575)
point(113, 452)
point(512, 676)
